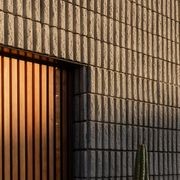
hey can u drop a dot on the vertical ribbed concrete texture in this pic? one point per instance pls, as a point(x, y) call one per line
point(130, 91)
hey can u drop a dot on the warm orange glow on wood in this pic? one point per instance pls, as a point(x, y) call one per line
point(28, 118)
point(6, 117)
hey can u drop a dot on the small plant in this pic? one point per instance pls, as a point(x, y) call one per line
point(141, 164)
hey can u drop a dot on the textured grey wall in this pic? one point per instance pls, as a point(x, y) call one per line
point(129, 93)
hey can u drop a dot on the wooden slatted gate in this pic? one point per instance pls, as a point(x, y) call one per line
point(31, 120)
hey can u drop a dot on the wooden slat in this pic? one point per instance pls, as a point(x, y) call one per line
point(29, 122)
point(22, 120)
point(1, 140)
point(44, 121)
point(58, 132)
point(14, 95)
point(7, 118)
point(37, 121)
point(51, 121)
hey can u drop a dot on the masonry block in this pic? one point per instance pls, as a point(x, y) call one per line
point(37, 37)
point(123, 11)
point(1, 5)
point(117, 58)
point(117, 10)
point(111, 31)
point(92, 79)
point(139, 40)
point(123, 60)
point(117, 84)
point(91, 142)
point(84, 23)
point(105, 7)
point(155, 115)
point(77, 47)
point(111, 56)
point(106, 164)
point(46, 39)
point(104, 55)
point(106, 136)
point(91, 23)
point(149, 20)
point(105, 79)
point(149, 44)
point(145, 89)
point(99, 157)
point(9, 29)
point(91, 107)
point(84, 49)
point(105, 109)
point(123, 86)
point(135, 138)
point(116, 33)
point(139, 64)
point(36, 10)
point(98, 6)
point(146, 117)
point(98, 76)
point(2, 29)
point(134, 39)
point(77, 108)
point(28, 8)
point(69, 17)
point(54, 41)
point(8, 6)
point(53, 13)
point(145, 42)
point(129, 112)
point(45, 17)
point(124, 164)
point(83, 164)
point(62, 18)
point(83, 107)
point(140, 113)
point(77, 164)
point(111, 83)
point(123, 35)
point(123, 140)
point(77, 17)
point(111, 110)
point(98, 26)
point(104, 28)
point(112, 164)
point(128, 12)
point(62, 42)
point(177, 11)
point(118, 136)
point(134, 14)
point(98, 53)
point(91, 51)
point(129, 87)
point(130, 168)
point(19, 31)
point(135, 63)
point(135, 88)
point(99, 135)
point(98, 103)
point(70, 45)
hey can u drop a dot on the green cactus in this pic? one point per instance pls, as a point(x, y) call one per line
point(141, 164)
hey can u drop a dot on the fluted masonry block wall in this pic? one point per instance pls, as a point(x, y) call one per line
point(130, 91)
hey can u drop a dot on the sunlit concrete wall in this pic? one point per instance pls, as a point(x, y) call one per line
point(130, 91)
